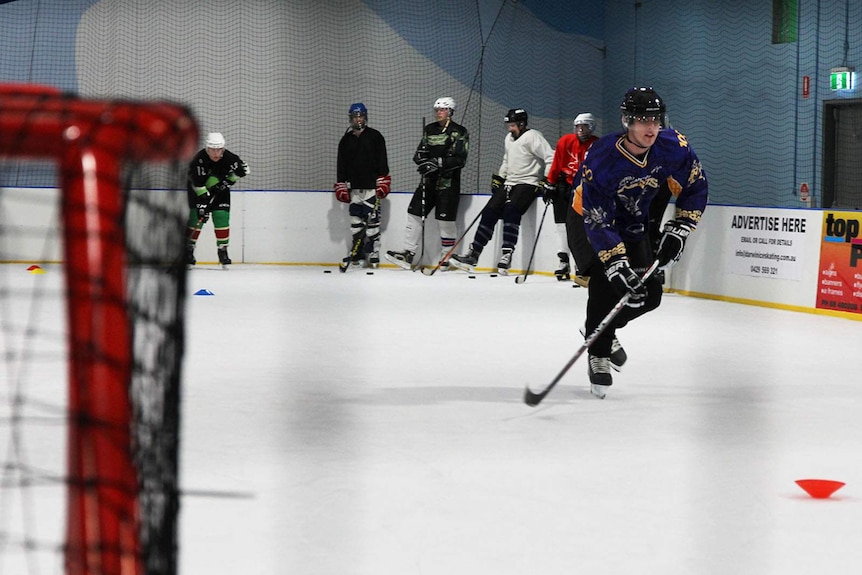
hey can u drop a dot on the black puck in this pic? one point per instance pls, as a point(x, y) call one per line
point(472, 277)
point(369, 273)
point(493, 275)
point(327, 271)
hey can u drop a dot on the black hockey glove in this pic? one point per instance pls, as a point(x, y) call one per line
point(222, 186)
point(242, 170)
point(672, 243)
point(497, 182)
point(430, 166)
point(625, 280)
point(549, 191)
point(204, 201)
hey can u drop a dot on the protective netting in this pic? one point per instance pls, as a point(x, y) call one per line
point(746, 81)
point(92, 347)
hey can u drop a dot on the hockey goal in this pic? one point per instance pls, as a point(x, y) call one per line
point(92, 294)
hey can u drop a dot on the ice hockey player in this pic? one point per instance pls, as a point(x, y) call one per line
point(619, 178)
point(568, 156)
point(363, 179)
point(439, 158)
point(522, 176)
point(212, 172)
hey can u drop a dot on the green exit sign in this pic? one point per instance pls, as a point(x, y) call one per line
point(841, 79)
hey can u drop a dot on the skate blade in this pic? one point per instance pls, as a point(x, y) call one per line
point(462, 267)
point(400, 263)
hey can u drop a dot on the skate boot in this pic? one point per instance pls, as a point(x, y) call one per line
point(466, 263)
point(402, 259)
point(599, 369)
point(190, 255)
point(618, 355)
point(505, 261)
point(564, 272)
point(444, 265)
point(223, 258)
point(373, 260)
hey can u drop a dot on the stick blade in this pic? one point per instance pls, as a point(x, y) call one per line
point(520, 279)
point(430, 271)
point(533, 399)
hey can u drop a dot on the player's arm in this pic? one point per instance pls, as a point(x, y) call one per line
point(691, 201)
point(458, 146)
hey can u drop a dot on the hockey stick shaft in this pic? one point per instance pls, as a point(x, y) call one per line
point(357, 242)
point(533, 399)
point(447, 255)
point(523, 278)
point(418, 263)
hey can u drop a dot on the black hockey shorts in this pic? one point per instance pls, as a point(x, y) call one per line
point(443, 201)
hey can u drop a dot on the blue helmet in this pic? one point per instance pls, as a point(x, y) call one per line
point(358, 109)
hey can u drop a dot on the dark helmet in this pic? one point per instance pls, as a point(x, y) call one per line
point(358, 116)
point(517, 115)
point(357, 109)
point(643, 102)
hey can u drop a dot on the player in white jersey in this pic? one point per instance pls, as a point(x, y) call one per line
point(521, 178)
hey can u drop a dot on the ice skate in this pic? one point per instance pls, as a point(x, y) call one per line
point(564, 271)
point(505, 261)
point(373, 260)
point(402, 259)
point(223, 258)
point(466, 263)
point(599, 369)
point(444, 264)
point(190, 256)
point(618, 355)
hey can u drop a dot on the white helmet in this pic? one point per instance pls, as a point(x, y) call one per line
point(445, 102)
point(587, 119)
point(215, 140)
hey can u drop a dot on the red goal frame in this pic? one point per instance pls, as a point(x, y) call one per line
point(90, 140)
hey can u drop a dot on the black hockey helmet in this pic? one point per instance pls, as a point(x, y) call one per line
point(516, 115)
point(641, 102)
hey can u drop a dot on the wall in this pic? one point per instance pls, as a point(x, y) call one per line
point(311, 228)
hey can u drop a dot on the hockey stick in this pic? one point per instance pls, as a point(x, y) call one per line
point(418, 263)
point(523, 278)
point(533, 399)
point(357, 243)
point(447, 255)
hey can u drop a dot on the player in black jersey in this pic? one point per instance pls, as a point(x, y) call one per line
point(363, 180)
point(439, 158)
point(609, 224)
point(212, 172)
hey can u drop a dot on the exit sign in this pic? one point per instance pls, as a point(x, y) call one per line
point(841, 78)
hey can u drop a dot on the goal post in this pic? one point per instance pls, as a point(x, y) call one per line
point(123, 355)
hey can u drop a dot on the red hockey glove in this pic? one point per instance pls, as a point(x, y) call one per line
point(342, 192)
point(382, 186)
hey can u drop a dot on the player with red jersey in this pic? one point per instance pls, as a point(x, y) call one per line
point(568, 156)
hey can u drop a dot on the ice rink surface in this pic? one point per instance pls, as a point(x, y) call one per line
point(362, 424)
point(376, 425)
